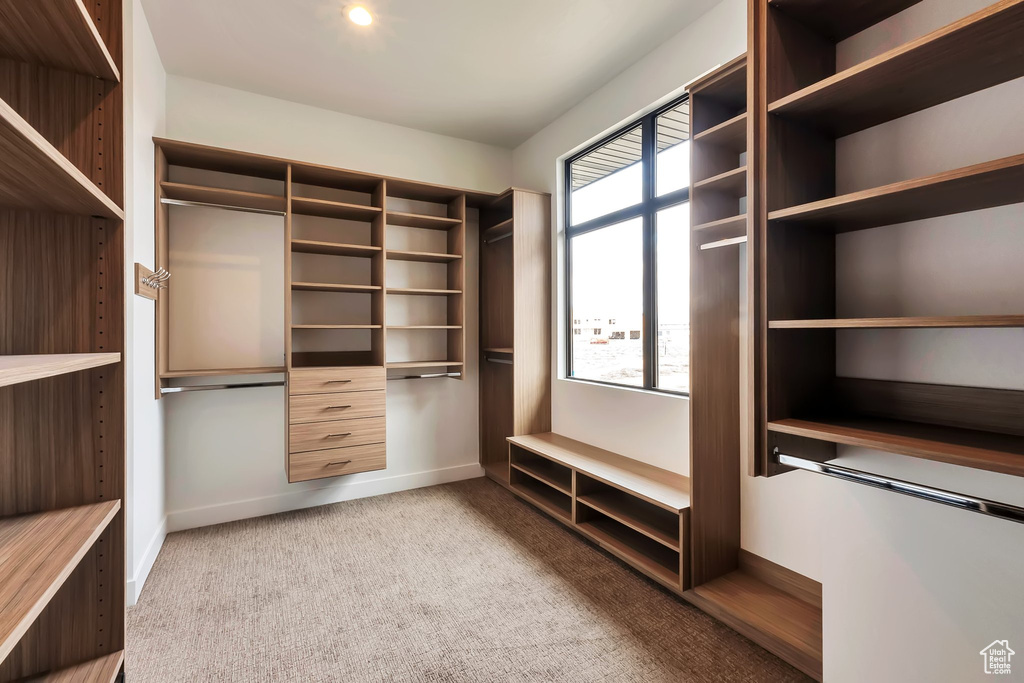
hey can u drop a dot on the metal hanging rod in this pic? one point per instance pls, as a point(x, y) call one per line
point(430, 376)
point(498, 239)
point(226, 207)
point(982, 506)
point(500, 361)
point(218, 387)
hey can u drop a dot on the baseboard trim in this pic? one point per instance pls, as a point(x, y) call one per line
point(134, 586)
point(306, 498)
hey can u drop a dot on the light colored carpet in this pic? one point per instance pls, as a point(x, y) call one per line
point(460, 583)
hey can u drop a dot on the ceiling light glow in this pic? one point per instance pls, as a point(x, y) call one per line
point(360, 15)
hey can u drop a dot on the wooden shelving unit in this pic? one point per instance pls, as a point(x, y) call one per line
point(17, 369)
point(334, 248)
point(62, 375)
point(637, 512)
point(427, 222)
point(421, 256)
point(327, 209)
point(515, 324)
point(804, 106)
point(216, 195)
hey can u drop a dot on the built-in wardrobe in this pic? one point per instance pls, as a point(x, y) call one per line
point(62, 331)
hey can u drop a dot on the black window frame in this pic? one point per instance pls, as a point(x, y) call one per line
point(647, 209)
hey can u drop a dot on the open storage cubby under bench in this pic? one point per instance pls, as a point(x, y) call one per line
point(635, 511)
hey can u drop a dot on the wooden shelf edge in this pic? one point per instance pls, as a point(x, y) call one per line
point(631, 556)
point(333, 248)
point(336, 327)
point(397, 365)
point(107, 68)
point(554, 511)
point(725, 132)
point(100, 670)
point(406, 291)
point(47, 155)
point(542, 478)
point(18, 369)
point(421, 256)
point(54, 556)
point(738, 221)
point(332, 287)
point(723, 182)
point(221, 372)
point(924, 322)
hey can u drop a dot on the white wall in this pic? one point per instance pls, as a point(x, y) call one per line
point(912, 590)
point(144, 84)
point(225, 449)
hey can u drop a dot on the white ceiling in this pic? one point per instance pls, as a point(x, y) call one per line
point(494, 71)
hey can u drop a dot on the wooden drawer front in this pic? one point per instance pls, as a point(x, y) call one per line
point(333, 380)
point(327, 407)
point(318, 436)
point(336, 462)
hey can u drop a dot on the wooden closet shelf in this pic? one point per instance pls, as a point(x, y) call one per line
point(961, 321)
point(1003, 453)
point(503, 350)
point(732, 182)
point(728, 242)
point(336, 327)
point(500, 230)
point(423, 364)
point(35, 176)
point(974, 53)
point(333, 248)
point(101, 670)
point(731, 134)
point(981, 186)
point(58, 34)
point(306, 206)
point(545, 472)
point(653, 527)
point(410, 291)
point(224, 197)
point(550, 500)
point(424, 327)
point(733, 226)
point(330, 287)
point(38, 552)
point(17, 369)
point(608, 534)
point(415, 220)
point(421, 256)
point(221, 372)
point(837, 21)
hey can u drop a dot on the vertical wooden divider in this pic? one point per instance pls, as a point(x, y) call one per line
point(379, 337)
point(457, 280)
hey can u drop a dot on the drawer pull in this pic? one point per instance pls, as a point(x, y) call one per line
point(338, 462)
point(331, 436)
point(338, 381)
point(336, 407)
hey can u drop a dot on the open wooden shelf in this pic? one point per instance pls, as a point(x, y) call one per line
point(333, 248)
point(328, 287)
point(551, 501)
point(502, 229)
point(836, 21)
point(216, 195)
point(773, 618)
point(220, 372)
point(306, 206)
point(731, 134)
point(547, 472)
point(981, 186)
point(728, 242)
point(421, 256)
point(415, 220)
point(962, 321)
point(732, 182)
point(623, 508)
point(38, 552)
point(974, 53)
point(408, 364)
point(654, 559)
point(100, 670)
point(411, 291)
point(17, 369)
point(336, 327)
point(1002, 453)
point(507, 350)
point(37, 177)
point(424, 327)
point(734, 226)
point(58, 34)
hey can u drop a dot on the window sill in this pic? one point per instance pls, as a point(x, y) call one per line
point(620, 387)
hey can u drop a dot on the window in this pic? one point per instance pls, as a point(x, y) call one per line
point(628, 255)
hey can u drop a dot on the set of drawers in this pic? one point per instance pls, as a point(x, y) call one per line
point(336, 422)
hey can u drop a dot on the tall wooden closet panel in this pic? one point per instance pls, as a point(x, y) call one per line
point(62, 381)
point(515, 323)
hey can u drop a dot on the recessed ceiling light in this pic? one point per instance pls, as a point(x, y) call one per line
point(360, 15)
